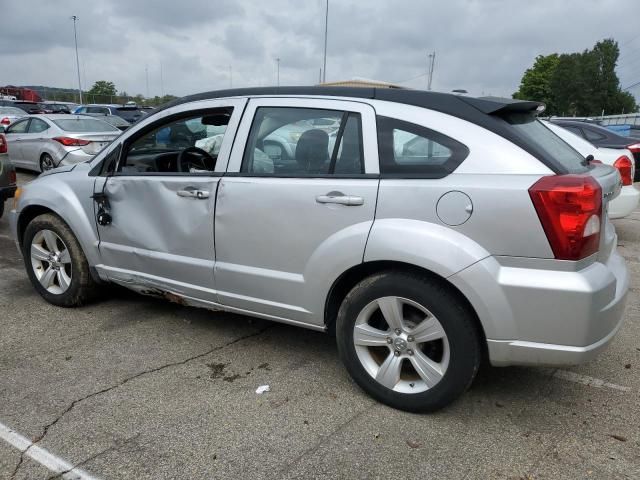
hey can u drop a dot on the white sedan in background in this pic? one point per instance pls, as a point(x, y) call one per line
point(43, 142)
point(622, 159)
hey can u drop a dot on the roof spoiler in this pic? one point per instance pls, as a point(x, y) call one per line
point(497, 105)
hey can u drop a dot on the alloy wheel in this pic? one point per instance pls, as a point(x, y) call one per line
point(401, 344)
point(51, 261)
point(46, 163)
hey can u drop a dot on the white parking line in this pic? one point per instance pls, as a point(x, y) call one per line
point(42, 456)
point(587, 380)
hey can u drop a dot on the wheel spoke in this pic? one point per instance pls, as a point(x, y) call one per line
point(39, 253)
point(430, 371)
point(64, 256)
point(428, 330)
point(367, 335)
point(63, 280)
point(389, 372)
point(47, 278)
point(391, 308)
point(50, 240)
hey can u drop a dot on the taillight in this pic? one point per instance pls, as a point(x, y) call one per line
point(570, 210)
point(625, 167)
point(5, 121)
point(71, 142)
point(635, 147)
point(3, 144)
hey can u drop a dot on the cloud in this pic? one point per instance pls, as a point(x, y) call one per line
point(483, 46)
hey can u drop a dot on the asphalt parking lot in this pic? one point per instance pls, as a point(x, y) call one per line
point(138, 388)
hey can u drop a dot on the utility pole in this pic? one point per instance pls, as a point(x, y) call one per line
point(161, 81)
point(432, 62)
point(278, 72)
point(146, 73)
point(326, 26)
point(75, 36)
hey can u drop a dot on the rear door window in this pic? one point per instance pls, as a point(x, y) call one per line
point(408, 149)
point(37, 126)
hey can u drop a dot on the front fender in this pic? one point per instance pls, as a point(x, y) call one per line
point(69, 197)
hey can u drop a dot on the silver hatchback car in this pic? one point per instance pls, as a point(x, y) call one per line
point(433, 231)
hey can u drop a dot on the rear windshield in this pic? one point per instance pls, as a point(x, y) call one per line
point(529, 126)
point(82, 125)
point(130, 114)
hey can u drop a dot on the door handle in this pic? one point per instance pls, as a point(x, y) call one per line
point(340, 199)
point(193, 193)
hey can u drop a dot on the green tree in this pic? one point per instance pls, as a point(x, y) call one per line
point(536, 81)
point(103, 88)
point(582, 84)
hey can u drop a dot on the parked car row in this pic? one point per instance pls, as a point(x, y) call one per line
point(43, 142)
point(427, 231)
point(603, 137)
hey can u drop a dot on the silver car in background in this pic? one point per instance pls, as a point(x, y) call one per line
point(438, 230)
point(8, 115)
point(43, 142)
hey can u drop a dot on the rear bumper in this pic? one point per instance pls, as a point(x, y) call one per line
point(545, 317)
point(73, 157)
point(7, 192)
point(625, 203)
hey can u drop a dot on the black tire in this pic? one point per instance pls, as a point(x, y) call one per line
point(45, 161)
point(458, 323)
point(1, 207)
point(82, 287)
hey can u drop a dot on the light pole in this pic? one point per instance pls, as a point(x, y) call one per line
point(75, 36)
point(324, 61)
point(278, 72)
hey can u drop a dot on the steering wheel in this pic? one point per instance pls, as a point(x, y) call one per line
point(203, 159)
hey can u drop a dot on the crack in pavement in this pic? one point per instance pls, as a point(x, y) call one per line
point(117, 446)
point(323, 439)
point(123, 382)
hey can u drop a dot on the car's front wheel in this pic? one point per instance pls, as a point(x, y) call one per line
point(408, 340)
point(55, 262)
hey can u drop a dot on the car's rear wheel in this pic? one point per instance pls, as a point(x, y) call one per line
point(408, 341)
point(46, 162)
point(55, 262)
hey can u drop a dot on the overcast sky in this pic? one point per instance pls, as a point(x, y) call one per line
point(481, 45)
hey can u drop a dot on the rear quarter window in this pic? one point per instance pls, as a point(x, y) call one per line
point(410, 150)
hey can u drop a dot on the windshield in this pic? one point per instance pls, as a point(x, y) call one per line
point(130, 114)
point(82, 125)
point(529, 126)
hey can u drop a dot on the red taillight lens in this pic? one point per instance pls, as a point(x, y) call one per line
point(570, 210)
point(72, 142)
point(3, 144)
point(635, 147)
point(625, 167)
point(5, 121)
point(13, 179)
